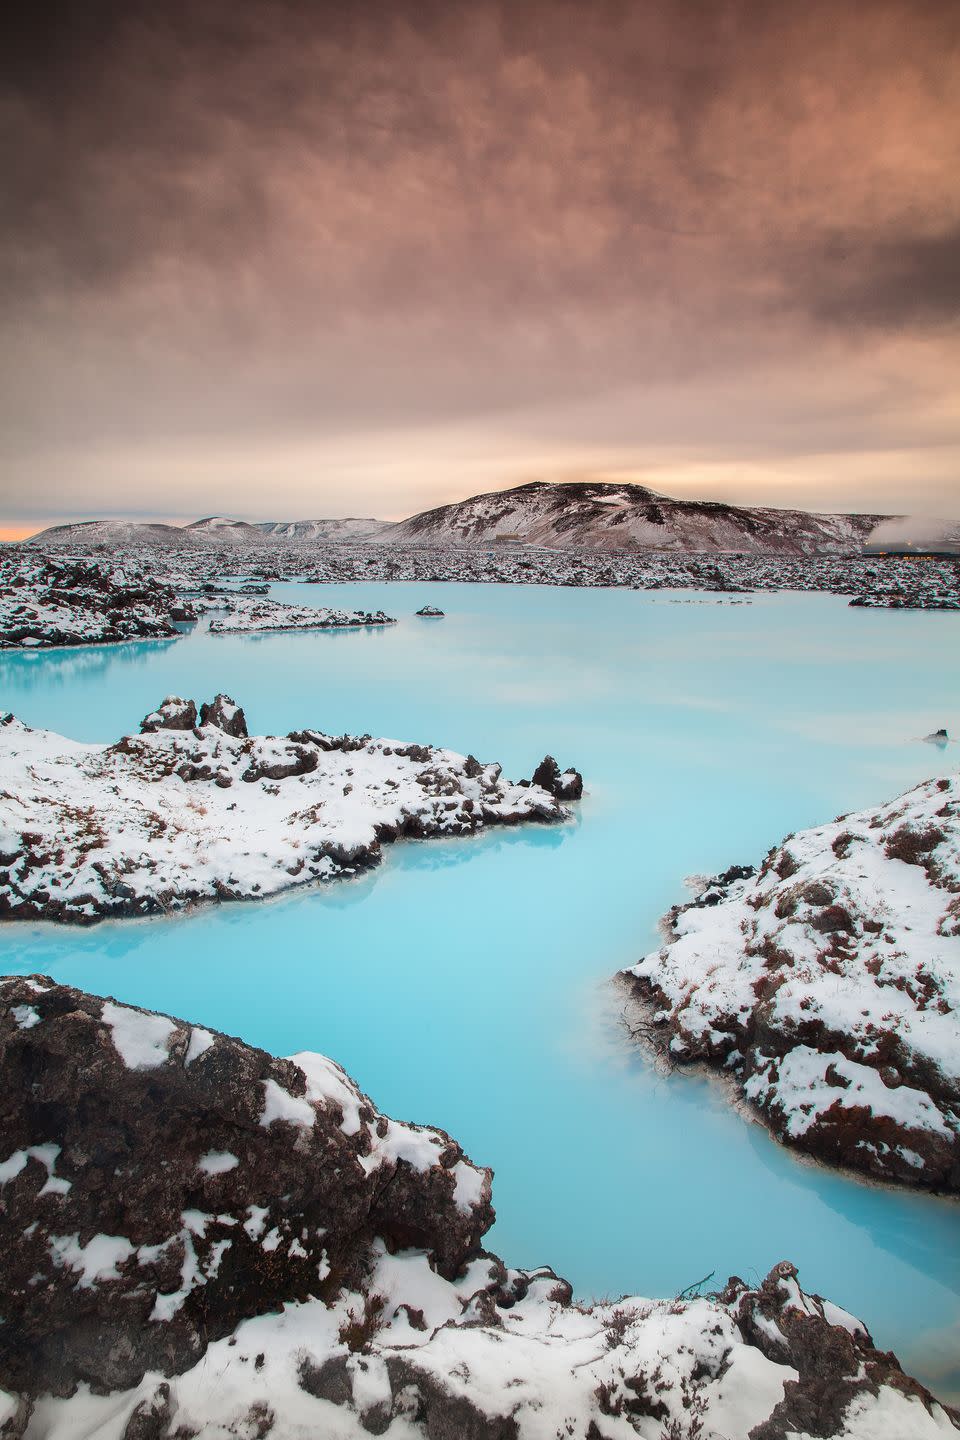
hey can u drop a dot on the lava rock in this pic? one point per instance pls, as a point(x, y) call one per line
point(174, 714)
point(562, 785)
point(166, 1182)
point(226, 715)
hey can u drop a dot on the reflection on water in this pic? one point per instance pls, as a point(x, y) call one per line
point(464, 982)
point(49, 670)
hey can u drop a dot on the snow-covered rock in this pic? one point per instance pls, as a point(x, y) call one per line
point(887, 581)
point(828, 985)
point(189, 811)
point(242, 1246)
point(45, 602)
point(251, 616)
point(562, 784)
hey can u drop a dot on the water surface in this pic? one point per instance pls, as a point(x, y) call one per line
point(464, 984)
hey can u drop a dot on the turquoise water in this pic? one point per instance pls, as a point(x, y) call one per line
point(464, 984)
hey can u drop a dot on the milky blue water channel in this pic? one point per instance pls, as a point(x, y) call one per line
point(465, 984)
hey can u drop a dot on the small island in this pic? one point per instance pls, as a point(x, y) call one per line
point(195, 809)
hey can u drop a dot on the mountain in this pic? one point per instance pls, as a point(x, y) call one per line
point(325, 532)
point(110, 533)
point(215, 530)
point(575, 516)
point(589, 516)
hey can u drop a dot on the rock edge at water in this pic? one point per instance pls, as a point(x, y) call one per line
point(827, 985)
point(202, 1239)
point(195, 809)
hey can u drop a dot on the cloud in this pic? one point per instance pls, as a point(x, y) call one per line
point(302, 221)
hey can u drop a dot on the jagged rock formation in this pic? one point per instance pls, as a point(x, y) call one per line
point(46, 602)
point(562, 784)
point(195, 809)
point(199, 1238)
point(827, 984)
point(164, 1182)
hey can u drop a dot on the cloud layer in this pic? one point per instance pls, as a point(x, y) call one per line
point(377, 255)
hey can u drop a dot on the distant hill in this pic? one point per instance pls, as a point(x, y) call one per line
point(326, 531)
point(588, 516)
point(214, 530)
point(580, 516)
point(110, 532)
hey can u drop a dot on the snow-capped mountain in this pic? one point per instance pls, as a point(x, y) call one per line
point(588, 516)
point(574, 516)
point(326, 532)
point(215, 530)
point(113, 533)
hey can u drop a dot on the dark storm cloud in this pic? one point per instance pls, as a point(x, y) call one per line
point(893, 282)
point(285, 216)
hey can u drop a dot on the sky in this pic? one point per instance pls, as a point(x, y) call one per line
point(288, 259)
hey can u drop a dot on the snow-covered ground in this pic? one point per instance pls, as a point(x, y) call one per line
point(828, 984)
point(194, 809)
point(208, 1241)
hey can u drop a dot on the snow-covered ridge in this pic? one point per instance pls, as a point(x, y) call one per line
point(595, 516)
point(216, 530)
point(828, 984)
point(244, 1246)
point(195, 809)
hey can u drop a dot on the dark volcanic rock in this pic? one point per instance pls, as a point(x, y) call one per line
point(836, 1363)
point(174, 714)
point(226, 715)
point(562, 785)
point(166, 1181)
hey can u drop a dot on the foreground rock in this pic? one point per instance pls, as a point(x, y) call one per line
point(46, 602)
point(201, 1239)
point(828, 983)
point(195, 809)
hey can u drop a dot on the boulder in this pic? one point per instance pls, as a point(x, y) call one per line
point(162, 1182)
point(174, 714)
point(561, 784)
point(226, 715)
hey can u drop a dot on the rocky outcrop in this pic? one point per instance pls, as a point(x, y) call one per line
point(430, 612)
point(246, 616)
point(562, 784)
point(174, 714)
point(200, 1238)
point(195, 809)
point(226, 715)
point(826, 984)
point(46, 602)
point(161, 1182)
